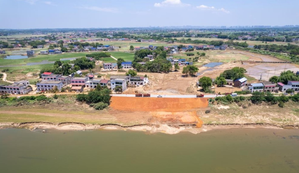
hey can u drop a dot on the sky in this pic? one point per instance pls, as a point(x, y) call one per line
point(30, 14)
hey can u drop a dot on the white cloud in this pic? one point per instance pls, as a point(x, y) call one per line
point(94, 8)
point(170, 3)
point(48, 2)
point(204, 7)
point(31, 1)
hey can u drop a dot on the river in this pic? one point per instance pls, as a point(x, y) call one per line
point(223, 151)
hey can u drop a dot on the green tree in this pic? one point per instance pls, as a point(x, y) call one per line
point(131, 48)
point(118, 89)
point(119, 61)
point(274, 79)
point(131, 73)
point(185, 71)
point(205, 83)
point(176, 67)
point(192, 70)
point(203, 54)
point(220, 81)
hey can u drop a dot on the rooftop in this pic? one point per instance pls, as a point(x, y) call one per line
point(257, 85)
point(49, 82)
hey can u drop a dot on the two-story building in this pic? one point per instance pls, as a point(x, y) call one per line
point(110, 66)
point(118, 82)
point(256, 87)
point(46, 85)
point(294, 84)
point(126, 65)
point(20, 87)
point(240, 82)
point(138, 81)
point(78, 83)
point(270, 87)
point(48, 76)
point(92, 83)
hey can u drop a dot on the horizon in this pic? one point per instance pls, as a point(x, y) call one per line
point(55, 14)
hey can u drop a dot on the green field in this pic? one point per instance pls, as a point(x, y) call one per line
point(123, 55)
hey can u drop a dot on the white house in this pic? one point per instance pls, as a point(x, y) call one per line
point(138, 81)
point(48, 85)
point(118, 82)
point(256, 87)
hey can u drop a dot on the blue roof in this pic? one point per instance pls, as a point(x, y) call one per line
point(257, 85)
point(51, 50)
point(107, 46)
point(182, 59)
point(127, 63)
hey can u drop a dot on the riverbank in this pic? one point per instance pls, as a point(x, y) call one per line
point(150, 128)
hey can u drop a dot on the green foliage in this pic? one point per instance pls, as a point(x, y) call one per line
point(281, 104)
point(190, 69)
point(176, 67)
point(274, 79)
point(220, 81)
point(81, 97)
point(235, 73)
point(287, 76)
point(257, 97)
point(205, 83)
point(283, 98)
point(140, 54)
point(98, 55)
point(131, 73)
point(100, 106)
point(243, 92)
point(118, 89)
point(55, 96)
point(289, 91)
point(84, 63)
point(131, 48)
point(119, 61)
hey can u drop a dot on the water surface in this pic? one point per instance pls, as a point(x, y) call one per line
point(224, 151)
point(16, 57)
point(213, 64)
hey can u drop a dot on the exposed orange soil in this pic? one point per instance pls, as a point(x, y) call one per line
point(157, 104)
point(163, 110)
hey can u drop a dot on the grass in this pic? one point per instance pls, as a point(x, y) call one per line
point(18, 118)
point(108, 59)
point(124, 55)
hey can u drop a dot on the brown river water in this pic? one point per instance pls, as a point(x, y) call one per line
point(223, 151)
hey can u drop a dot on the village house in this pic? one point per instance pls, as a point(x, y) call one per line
point(78, 83)
point(46, 85)
point(40, 46)
point(118, 82)
point(44, 52)
point(138, 81)
point(256, 87)
point(294, 84)
point(283, 87)
point(110, 66)
point(126, 65)
point(229, 82)
point(48, 76)
point(20, 87)
point(240, 82)
point(30, 53)
point(2, 52)
point(92, 83)
point(270, 87)
point(104, 82)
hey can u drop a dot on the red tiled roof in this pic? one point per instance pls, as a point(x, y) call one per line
point(47, 73)
point(104, 81)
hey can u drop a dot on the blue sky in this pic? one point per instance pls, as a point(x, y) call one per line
point(25, 14)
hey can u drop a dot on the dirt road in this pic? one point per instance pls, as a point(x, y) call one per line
point(4, 78)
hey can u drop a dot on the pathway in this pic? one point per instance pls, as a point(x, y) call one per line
point(113, 58)
point(4, 78)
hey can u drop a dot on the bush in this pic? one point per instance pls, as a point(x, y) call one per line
point(283, 99)
point(281, 104)
point(295, 98)
point(41, 98)
point(81, 97)
point(55, 96)
point(100, 106)
point(243, 92)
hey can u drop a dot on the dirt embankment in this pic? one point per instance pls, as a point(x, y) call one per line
point(163, 110)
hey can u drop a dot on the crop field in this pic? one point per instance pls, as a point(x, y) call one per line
point(124, 55)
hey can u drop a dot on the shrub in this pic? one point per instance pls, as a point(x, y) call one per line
point(55, 96)
point(41, 98)
point(81, 97)
point(281, 104)
point(283, 98)
point(100, 106)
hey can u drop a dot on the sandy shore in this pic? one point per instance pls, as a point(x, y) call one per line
point(162, 128)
